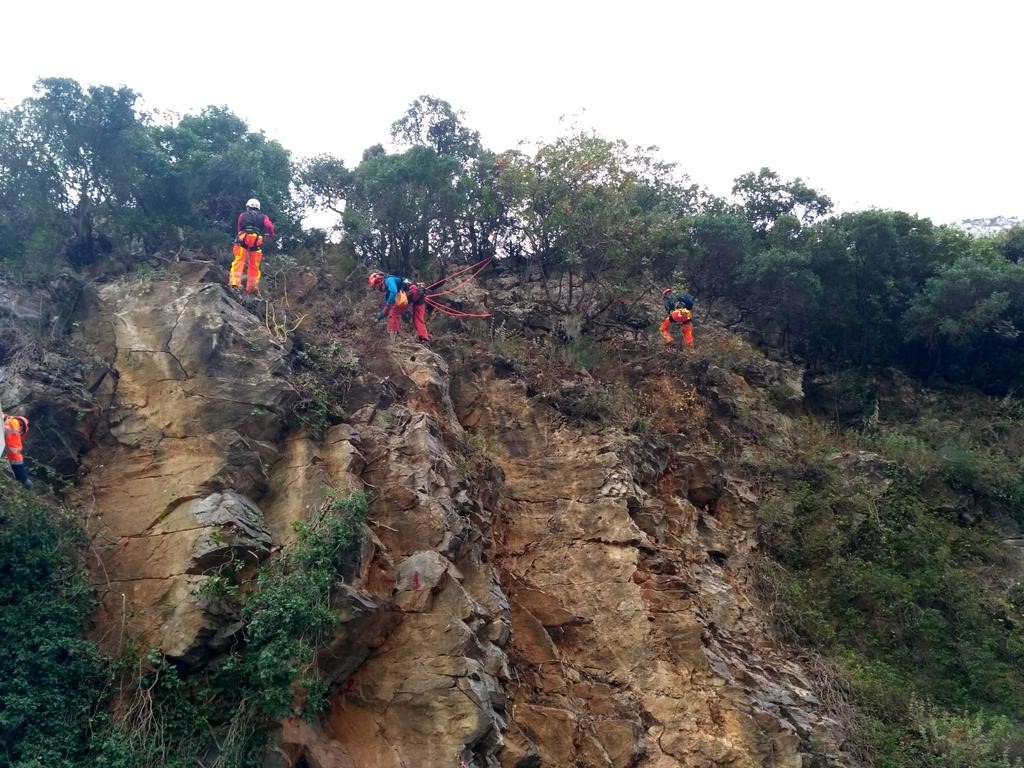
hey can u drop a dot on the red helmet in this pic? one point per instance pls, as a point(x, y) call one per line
point(376, 279)
point(666, 292)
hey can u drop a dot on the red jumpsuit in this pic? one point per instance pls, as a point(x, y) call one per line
point(685, 319)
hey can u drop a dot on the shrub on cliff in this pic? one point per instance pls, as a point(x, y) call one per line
point(49, 672)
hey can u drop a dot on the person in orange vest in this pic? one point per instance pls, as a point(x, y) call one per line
point(680, 310)
point(15, 428)
point(253, 228)
point(394, 287)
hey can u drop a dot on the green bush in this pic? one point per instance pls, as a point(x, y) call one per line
point(289, 615)
point(49, 673)
point(983, 475)
point(935, 738)
point(885, 586)
point(55, 704)
point(323, 375)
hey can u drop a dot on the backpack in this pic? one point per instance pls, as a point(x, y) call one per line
point(677, 300)
point(252, 221)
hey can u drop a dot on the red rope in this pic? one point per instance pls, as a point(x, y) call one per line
point(451, 311)
point(471, 277)
point(479, 267)
point(445, 279)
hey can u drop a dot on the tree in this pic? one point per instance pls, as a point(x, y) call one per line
point(1011, 243)
point(401, 210)
point(782, 290)
point(871, 265)
point(765, 197)
point(77, 149)
point(216, 165)
point(484, 223)
point(717, 245)
point(323, 182)
point(82, 166)
point(432, 122)
point(970, 317)
point(32, 223)
point(593, 218)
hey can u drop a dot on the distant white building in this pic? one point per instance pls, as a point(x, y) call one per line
point(985, 227)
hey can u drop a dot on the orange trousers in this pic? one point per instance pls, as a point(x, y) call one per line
point(667, 335)
point(247, 260)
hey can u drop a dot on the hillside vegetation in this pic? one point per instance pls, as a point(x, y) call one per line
point(888, 523)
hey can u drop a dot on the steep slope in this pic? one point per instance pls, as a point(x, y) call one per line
point(530, 592)
point(635, 641)
point(194, 416)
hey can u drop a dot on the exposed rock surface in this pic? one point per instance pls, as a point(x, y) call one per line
point(434, 692)
point(192, 423)
point(633, 639)
point(61, 394)
point(528, 595)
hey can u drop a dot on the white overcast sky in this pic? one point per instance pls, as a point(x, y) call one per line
point(899, 104)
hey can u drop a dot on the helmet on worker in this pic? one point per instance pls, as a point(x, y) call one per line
point(666, 292)
point(376, 279)
point(22, 422)
point(253, 203)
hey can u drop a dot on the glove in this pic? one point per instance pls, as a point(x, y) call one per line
point(380, 315)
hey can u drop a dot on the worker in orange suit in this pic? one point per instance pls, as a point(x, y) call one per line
point(684, 318)
point(253, 229)
point(15, 428)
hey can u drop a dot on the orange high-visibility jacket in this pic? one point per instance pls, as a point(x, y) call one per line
point(12, 439)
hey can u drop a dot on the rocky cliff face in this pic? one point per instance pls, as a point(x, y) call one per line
point(634, 640)
point(528, 594)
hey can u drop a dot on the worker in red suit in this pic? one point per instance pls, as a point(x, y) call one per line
point(401, 295)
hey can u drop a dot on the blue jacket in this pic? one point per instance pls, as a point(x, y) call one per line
point(392, 284)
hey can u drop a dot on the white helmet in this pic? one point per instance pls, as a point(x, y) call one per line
point(253, 203)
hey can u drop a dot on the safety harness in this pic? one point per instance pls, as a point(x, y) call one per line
point(250, 236)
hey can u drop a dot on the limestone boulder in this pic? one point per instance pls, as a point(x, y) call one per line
point(864, 469)
point(235, 530)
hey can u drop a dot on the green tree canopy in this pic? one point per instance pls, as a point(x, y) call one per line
point(401, 209)
point(594, 217)
point(433, 123)
point(83, 171)
point(765, 197)
point(70, 160)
